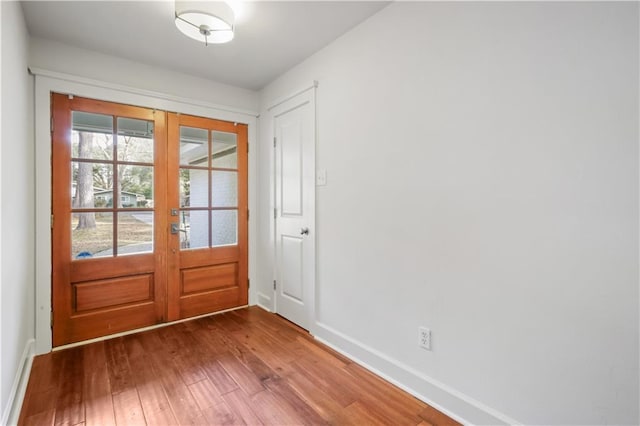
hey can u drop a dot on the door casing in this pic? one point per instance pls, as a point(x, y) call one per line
point(47, 82)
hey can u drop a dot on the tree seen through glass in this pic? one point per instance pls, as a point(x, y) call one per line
point(98, 183)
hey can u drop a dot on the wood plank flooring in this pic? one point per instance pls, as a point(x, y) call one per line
point(243, 367)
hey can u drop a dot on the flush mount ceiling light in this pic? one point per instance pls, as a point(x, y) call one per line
point(205, 21)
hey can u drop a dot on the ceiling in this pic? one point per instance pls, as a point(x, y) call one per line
point(271, 37)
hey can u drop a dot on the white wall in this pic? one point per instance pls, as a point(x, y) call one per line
point(16, 202)
point(482, 168)
point(55, 56)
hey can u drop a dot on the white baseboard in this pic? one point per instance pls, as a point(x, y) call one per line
point(11, 411)
point(264, 302)
point(449, 401)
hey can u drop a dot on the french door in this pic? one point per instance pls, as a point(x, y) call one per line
point(208, 261)
point(149, 217)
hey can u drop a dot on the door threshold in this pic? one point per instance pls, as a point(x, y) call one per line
point(139, 330)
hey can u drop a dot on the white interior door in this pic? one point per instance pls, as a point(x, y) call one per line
point(294, 133)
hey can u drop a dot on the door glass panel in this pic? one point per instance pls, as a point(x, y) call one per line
point(91, 235)
point(194, 229)
point(224, 150)
point(194, 188)
point(91, 185)
point(224, 227)
point(225, 188)
point(91, 136)
point(194, 146)
point(135, 232)
point(136, 183)
point(135, 140)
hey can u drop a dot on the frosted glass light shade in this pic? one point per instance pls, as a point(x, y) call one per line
point(207, 22)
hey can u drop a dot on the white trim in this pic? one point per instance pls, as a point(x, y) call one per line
point(284, 99)
point(140, 330)
point(63, 83)
point(128, 89)
point(444, 398)
point(264, 301)
point(11, 411)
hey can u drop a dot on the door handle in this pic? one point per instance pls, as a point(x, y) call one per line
point(304, 231)
point(175, 228)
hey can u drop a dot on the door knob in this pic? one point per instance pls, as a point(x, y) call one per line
point(304, 231)
point(175, 228)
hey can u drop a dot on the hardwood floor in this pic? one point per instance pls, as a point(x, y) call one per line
point(242, 367)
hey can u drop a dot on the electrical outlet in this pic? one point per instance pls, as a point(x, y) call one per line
point(424, 338)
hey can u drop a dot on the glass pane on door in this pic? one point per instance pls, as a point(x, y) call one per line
point(194, 188)
point(135, 232)
point(224, 227)
point(225, 188)
point(136, 185)
point(224, 152)
point(91, 184)
point(135, 140)
point(91, 136)
point(194, 147)
point(91, 235)
point(194, 229)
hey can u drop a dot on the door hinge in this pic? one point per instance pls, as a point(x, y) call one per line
point(51, 221)
point(51, 125)
point(274, 284)
point(274, 141)
point(247, 214)
point(275, 213)
point(51, 319)
point(247, 147)
point(248, 283)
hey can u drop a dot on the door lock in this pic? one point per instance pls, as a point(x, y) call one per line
point(304, 231)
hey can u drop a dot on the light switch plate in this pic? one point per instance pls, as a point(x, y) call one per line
point(321, 177)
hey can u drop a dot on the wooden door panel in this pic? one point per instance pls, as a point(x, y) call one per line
point(84, 326)
point(208, 278)
point(113, 292)
point(212, 301)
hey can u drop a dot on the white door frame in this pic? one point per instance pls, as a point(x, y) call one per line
point(275, 108)
point(49, 81)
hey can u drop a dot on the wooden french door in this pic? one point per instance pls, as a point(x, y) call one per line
point(208, 261)
point(117, 190)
